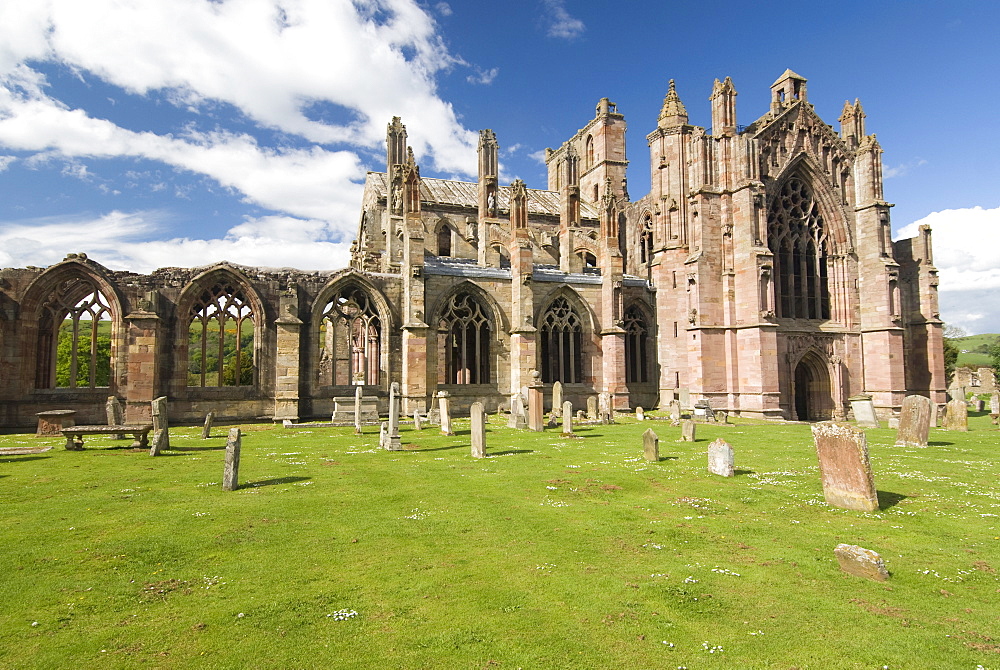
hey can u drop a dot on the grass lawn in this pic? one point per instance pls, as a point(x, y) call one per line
point(551, 553)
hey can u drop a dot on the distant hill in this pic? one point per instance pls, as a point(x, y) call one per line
point(974, 350)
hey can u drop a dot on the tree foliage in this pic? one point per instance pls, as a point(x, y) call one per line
point(101, 359)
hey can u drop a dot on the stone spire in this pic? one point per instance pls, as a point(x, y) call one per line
point(723, 107)
point(852, 123)
point(395, 144)
point(673, 112)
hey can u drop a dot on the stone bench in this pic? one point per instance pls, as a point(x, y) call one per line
point(75, 434)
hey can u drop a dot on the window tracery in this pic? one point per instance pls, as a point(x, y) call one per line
point(561, 334)
point(350, 339)
point(74, 337)
point(221, 339)
point(466, 329)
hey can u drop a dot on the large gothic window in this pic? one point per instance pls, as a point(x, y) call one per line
point(636, 346)
point(350, 340)
point(797, 238)
point(74, 338)
point(561, 334)
point(466, 330)
point(221, 338)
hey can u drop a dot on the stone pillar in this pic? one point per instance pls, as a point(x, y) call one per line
point(230, 475)
point(358, 395)
point(287, 360)
point(535, 401)
point(394, 402)
point(478, 430)
point(142, 332)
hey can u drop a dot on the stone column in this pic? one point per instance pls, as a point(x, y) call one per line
point(142, 332)
point(287, 361)
point(358, 395)
point(535, 400)
point(394, 402)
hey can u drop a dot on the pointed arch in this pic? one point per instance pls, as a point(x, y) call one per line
point(830, 204)
point(221, 329)
point(564, 323)
point(812, 387)
point(73, 326)
point(444, 239)
point(639, 349)
point(468, 323)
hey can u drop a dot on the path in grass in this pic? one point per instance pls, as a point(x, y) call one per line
point(551, 553)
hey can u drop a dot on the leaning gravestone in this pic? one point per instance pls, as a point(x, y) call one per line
point(161, 432)
point(687, 430)
point(478, 430)
point(721, 458)
point(230, 475)
point(844, 467)
point(592, 408)
point(206, 430)
point(445, 409)
point(864, 411)
point(115, 415)
point(957, 415)
point(914, 421)
point(651, 446)
point(861, 562)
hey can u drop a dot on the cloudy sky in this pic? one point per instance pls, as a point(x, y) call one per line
point(152, 133)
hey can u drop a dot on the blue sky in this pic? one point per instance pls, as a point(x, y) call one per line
point(151, 133)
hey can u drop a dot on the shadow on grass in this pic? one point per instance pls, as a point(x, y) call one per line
point(510, 452)
point(273, 482)
point(21, 459)
point(221, 447)
point(939, 444)
point(738, 472)
point(887, 499)
point(419, 448)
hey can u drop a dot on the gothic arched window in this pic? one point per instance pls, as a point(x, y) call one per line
point(561, 334)
point(444, 241)
point(636, 346)
point(589, 152)
point(466, 329)
point(350, 339)
point(797, 238)
point(74, 338)
point(221, 338)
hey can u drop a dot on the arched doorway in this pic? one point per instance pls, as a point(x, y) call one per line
point(813, 397)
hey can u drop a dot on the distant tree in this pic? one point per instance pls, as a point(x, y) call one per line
point(951, 349)
point(995, 356)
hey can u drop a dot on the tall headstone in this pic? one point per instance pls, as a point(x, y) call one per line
point(230, 475)
point(914, 421)
point(687, 430)
point(675, 411)
point(417, 421)
point(206, 430)
point(606, 409)
point(592, 408)
point(939, 415)
point(684, 398)
point(478, 414)
point(567, 417)
point(535, 400)
point(721, 458)
point(445, 409)
point(844, 467)
point(651, 446)
point(358, 395)
point(557, 398)
point(640, 414)
point(518, 414)
point(957, 415)
point(864, 411)
point(392, 429)
point(980, 404)
point(115, 415)
point(161, 432)
point(995, 403)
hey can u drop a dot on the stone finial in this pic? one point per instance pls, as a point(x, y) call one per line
point(673, 112)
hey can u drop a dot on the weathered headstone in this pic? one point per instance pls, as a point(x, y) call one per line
point(957, 393)
point(383, 435)
point(445, 409)
point(535, 399)
point(939, 415)
point(957, 415)
point(230, 475)
point(567, 417)
point(861, 562)
point(640, 414)
point(844, 467)
point(392, 437)
point(116, 417)
point(687, 430)
point(864, 411)
point(417, 425)
point(980, 404)
point(557, 398)
point(651, 446)
point(675, 411)
point(684, 398)
point(894, 422)
point(434, 416)
point(518, 414)
point(206, 430)
point(995, 403)
point(478, 414)
point(721, 458)
point(358, 396)
point(914, 421)
point(286, 423)
point(161, 431)
point(592, 408)
point(580, 415)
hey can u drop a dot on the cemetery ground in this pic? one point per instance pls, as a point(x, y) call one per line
point(550, 553)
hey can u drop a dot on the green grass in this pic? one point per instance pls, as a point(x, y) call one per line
point(552, 553)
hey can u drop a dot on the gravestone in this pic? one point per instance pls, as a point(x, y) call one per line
point(358, 397)
point(116, 417)
point(721, 459)
point(592, 408)
point(206, 430)
point(914, 421)
point(687, 430)
point(287, 423)
point(995, 403)
point(939, 415)
point(434, 416)
point(580, 415)
point(864, 411)
point(445, 409)
point(957, 393)
point(844, 467)
point(383, 435)
point(894, 422)
point(684, 398)
point(417, 425)
point(392, 437)
point(230, 475)
point(675, 411)
point(651, 446)
point(535, 400)
point(557, 398)
point(957, 415)
point(478, 430)
point(605, 408)
point(518, 414)
point(567, 417)
point(161, 431)
point(980, 404)
point(52, 422)
point(861, 562)
point(640, 414)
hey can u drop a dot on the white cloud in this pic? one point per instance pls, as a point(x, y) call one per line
point(903, 168)
point(968, 261)
point(5, 162)
point(482, 76)
point(560, 23)
point(443, 8)
point(538, 156)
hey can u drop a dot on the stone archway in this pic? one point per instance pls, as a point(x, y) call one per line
point(813, 397)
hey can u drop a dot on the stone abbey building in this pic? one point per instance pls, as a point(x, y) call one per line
point(758, 273)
